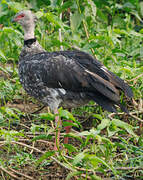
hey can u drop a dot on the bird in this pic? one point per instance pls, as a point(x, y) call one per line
point(69, 78)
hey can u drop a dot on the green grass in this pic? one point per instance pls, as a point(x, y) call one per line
point(108, 145)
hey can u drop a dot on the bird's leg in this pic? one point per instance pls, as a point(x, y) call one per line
point(67, 128)
point(52, 124)
point(58, 123)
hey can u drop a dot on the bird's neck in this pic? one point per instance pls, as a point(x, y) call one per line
point(29, 32)
point(29, 42)
point(31, 45)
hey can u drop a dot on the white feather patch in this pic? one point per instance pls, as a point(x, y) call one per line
point(104, 69)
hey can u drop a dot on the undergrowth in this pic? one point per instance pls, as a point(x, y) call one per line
point(102, 145)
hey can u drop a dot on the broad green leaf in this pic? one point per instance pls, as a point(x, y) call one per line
point(93, 132)
point(66, 115)
point(70, 148)
point(124, 125)
point(10, 135)
point(72, 174)
point(135, 13)
point(93, 7)
point(101, 15)
point(84, 133)
point(39, 14)
point(54, 19)
point(111, 132)
point(95, 177)
point(10, 30)
point(69, 167)
point(9, 111)
point(4, 70)
point(133, 33)
point(45, 156)
point(47, 116)
point(76, 136)
point(78, 158)
point(123, 32)
point(104, 124)
point(54, 3)
point(3, 1)
point(76, 20)
point(1, 118)
point(129, 6)
point(98, 116)
point(141, 8)
point(42, 136)
point(127, 70)
point(38, 128)
point(66, 123)
point(15, 6)
point(94, 160)
point(2, 55)
point(141, 51)
point(66, 5)
point(107, 140)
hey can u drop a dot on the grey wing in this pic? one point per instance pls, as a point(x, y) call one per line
point(63, 72)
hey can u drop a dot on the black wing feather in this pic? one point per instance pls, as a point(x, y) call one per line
point(95, 66)
point(79, 72)
point(70, 75)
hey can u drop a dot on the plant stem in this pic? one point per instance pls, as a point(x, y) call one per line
point(85, 28)
point(60, 31)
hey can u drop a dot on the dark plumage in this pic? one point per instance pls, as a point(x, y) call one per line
point(65, 78)
point(70, 79)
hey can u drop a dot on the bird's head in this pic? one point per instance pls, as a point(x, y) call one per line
point(25, 18)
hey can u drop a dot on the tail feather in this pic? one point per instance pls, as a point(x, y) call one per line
point(122, 85)
point(104, 102)
point(123, 108)
point(109, 106)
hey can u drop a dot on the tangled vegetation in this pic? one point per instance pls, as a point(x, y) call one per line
point(102, 145)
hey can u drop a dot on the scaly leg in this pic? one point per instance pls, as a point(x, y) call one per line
point(58, 123)
point(67, 128)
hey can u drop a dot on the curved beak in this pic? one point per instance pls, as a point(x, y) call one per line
point(14, 19)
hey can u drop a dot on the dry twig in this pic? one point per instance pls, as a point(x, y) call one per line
point(126, 168)
point(130, 114)
point(28, 146)
point(38, 110)
point(135, 117)
point(21, 174)
point(23, 125)
point(53, 158)
point(32, 146)
point(9, 173)
point(136, 78)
